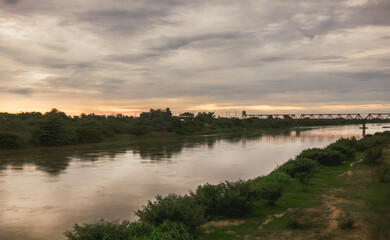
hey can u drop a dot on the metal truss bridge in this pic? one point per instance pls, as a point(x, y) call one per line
point(327, 116)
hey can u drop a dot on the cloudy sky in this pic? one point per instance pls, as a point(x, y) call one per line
point(261, 56)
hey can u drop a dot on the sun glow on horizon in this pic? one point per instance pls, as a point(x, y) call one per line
point(219, 109)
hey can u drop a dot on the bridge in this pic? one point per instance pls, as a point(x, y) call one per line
point(317, 116)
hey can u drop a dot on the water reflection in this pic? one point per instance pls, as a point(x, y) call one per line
point(45, 191)
point(55, 160)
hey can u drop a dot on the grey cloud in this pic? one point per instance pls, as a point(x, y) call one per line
point(18, 90)
point(11, 2)
point(257, 51)
point(172, 43)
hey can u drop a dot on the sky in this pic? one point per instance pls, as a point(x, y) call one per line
point(262, 56)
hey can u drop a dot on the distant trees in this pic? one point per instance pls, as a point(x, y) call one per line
point(55, 128)
point(10, 141)
point(205, 117)
point(54, 132)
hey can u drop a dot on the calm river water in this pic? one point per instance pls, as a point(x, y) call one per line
point(43, 192)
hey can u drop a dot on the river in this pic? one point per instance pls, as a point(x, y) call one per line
point(44, 191)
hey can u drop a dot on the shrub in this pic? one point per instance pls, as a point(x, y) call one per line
point(270, 187)
point(292, 167)
point(270, 191)
point(115, 230)
point(225, 199)
point(174, 208)
point(88, 135)
point(372, 155)
point(382, 171)
point(304, 178)
point(346, 221)
point(171, 231)
point(327, 157)
point(54, 132)
point(10, 141)
point(100, 230)
point(347, 142)
point(277, 176)
point(311, 153)
point(348, 152)
point(139, 229)
point(376, 140)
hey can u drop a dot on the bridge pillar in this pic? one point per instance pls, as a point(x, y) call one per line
point(364, 129)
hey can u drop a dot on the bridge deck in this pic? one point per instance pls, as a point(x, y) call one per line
point(329, 116)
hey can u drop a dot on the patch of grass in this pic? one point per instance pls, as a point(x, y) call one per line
point(304, 219)
point(382, 171)
point(346, 221)
point(372, 155)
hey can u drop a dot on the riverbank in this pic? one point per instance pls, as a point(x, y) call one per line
point(342, 202)
point(262, 205)
point(55, 128)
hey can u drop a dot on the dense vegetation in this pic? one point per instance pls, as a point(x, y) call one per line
point(237, 199)
point(54, 128)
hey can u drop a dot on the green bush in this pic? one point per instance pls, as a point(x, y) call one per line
point(270, 191)
point(270, 187)
point(171, 231)
point(54, 132)
point(348, 152)
point(174, 208)
point(115, 230)
point(225, 199)
point(304, 178)
point(292, 167)
point(371, 141)
point(100, 230)
point(311, 153)
point(372, 155)
point(382, 171)
point(10, 141)
point(325, 157)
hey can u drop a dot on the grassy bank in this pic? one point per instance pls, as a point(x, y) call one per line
point(341, 191)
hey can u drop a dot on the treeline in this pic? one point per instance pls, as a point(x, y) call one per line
point(55, 128)
point(177, 217)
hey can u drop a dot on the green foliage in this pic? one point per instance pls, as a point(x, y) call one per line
point(371, 141)
point(54, 132)
point(205, 117)
point(55, 128)
point(310, 153)
point(304, 178)
point(229, 199)
point(293, 167)
point(100, 230)
point(351, 143)
point(349, 153)
point(372, 155)
point(270, 187)
point(325, 157)
point(173, 208)
point(10, 141)
point(115, 230)
point(171, 231)
point(382, 170)
point(270, 191)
